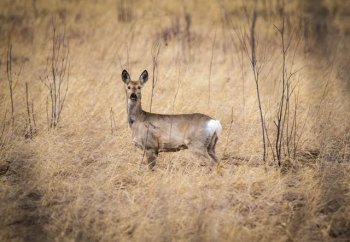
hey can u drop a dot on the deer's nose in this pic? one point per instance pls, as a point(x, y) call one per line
point(133, 97)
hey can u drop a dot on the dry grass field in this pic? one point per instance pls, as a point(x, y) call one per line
point(84, 180)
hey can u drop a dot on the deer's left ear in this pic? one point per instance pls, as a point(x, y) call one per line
point(144, 77)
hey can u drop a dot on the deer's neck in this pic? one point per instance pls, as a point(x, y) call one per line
point(135, 112)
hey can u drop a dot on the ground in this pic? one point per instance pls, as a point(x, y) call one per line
point(84, 180)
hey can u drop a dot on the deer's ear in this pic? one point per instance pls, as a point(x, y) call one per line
point(125, 76)
point(144, 77)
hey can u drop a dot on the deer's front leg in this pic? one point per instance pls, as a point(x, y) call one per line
point(151, 158)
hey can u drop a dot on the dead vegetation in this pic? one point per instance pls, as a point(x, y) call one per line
point(82, 180)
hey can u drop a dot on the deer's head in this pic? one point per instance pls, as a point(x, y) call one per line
point(133, 88)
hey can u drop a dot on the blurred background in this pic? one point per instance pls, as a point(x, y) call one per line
point(69, 170)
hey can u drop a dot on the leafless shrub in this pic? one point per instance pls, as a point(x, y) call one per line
point(314, 21)
point(179, 30)
point(188, 24)
point(11, 83)
point(125, 10)
point(30, 129)
point(35, 8)
point(295, 132)
point(287, 137)
point(171, 31)
point(57, 79)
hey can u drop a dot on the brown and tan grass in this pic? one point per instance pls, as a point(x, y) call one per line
point(80, 182)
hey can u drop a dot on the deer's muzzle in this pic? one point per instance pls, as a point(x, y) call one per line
point(133, 97)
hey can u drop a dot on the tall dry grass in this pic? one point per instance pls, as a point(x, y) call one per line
point(80, 182)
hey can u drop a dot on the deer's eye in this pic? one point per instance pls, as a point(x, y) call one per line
point(128, 87)
point(139, 87)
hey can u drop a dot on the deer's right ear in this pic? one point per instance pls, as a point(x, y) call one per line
point(125, 77)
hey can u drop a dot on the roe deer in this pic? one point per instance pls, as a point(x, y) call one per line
point(156, 133)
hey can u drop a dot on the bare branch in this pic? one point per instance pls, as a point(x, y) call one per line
point(155, 54)
point(3, 129)
point(29, 133)
point(9, 79)
point(59, 69)
point(210, 66)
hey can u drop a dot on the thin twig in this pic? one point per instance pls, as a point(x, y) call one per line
point(256, 79)
point(113, 122)
point(210, 66)
point(3, 130)
point(47, 112)
point(33, 116)
point(229, 132)
point(155, 54)
point(30, 134)
point(9, 79)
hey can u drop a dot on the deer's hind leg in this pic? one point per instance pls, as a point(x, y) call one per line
point(211, 148)
point(199, 149)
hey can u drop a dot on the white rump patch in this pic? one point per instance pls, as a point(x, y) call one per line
point(214, 126)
